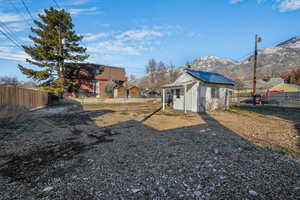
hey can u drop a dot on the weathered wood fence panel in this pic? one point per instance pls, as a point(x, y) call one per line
point(22, 96)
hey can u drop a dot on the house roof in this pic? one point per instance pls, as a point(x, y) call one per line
point(111, 73)
point(126, 85)
point(210, 77)
point(88, 71)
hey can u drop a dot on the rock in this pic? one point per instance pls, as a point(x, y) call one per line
point(216, 151)
point(210, 165)
point(48, 189)
point(197, 193)
point(162, 189)
point(136, 190)
point(252, 193)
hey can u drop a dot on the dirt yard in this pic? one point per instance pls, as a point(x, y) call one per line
point(137, 151)
point(276, 129)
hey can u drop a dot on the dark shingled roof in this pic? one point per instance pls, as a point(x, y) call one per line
point(210, 77)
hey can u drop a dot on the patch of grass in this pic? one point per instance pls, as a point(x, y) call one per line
point(281, 150)
point(239, 110)
point(124, 113)
point(103, 105)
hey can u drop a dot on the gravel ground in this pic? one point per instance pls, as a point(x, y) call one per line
point(68, 156)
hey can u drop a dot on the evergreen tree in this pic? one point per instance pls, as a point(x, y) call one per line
point(55, 41)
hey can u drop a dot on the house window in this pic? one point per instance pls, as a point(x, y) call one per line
point(97, 71)
point(177, 93)
point(215, 92)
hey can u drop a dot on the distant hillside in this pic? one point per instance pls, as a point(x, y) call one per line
point(271, 62)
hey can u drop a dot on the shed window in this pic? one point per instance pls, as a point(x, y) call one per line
point(215, 92)
point(177, 93)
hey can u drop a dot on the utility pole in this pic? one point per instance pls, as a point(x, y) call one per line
point(257, 40)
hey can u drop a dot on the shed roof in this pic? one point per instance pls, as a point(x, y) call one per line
point(210, 77)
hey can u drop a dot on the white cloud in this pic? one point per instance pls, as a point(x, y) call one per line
point(235, 1)
point(139, 35)
point(85, 11)
point(75, 2)
point(92, 37)
point(194, 34)
point(10, 53)
point(131, 42)
point(289, 5)
point(281, 5)
point(18, 26)
point(114, 47)
point(10, 17)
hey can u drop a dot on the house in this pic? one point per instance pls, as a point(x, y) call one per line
point(262, 86)
point(265, 86)
point(92, 79)
point(285, 87)
point(199, 91)
point(126, 90)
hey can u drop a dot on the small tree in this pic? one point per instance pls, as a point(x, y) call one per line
point(109, 88)
point(49, 53)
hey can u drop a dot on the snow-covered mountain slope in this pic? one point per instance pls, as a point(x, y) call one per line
point(271, 62)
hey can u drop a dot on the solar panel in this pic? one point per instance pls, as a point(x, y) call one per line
point(210, 77)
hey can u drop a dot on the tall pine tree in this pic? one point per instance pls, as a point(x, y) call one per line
point(55, 42)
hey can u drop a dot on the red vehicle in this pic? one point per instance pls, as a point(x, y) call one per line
point(259, 99)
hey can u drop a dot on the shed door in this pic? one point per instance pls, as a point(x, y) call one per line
point(201, 98)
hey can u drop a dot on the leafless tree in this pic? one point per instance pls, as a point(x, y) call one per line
point(6, 80)
point(132, 78)
point(173, 73)
point(158, 74)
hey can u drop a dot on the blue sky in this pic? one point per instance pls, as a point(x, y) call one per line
point(127, 33)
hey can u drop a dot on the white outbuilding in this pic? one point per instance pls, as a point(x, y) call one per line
point(199, 91)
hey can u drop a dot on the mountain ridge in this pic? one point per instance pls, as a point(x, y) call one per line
point(271, 61)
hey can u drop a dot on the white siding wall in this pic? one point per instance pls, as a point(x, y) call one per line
point(216, 103)
point(192, 97)
point(178, 102)
point(199, 99)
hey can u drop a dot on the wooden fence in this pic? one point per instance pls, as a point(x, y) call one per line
point(22, 96)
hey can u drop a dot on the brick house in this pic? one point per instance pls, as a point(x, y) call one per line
point(91, 79)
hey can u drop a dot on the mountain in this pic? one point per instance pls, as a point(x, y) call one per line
point(270, 62)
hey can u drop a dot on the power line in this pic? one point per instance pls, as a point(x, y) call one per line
point(9, 32)
point(56, 3)
point(18, 11)
point(27, 9)
point(10, 39)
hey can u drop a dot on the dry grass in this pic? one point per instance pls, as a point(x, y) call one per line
point(268, 128)
point(172, 119)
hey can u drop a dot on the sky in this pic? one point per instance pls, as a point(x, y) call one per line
point(127, 33)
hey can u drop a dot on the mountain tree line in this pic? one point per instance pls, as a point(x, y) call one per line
point(158, 74)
